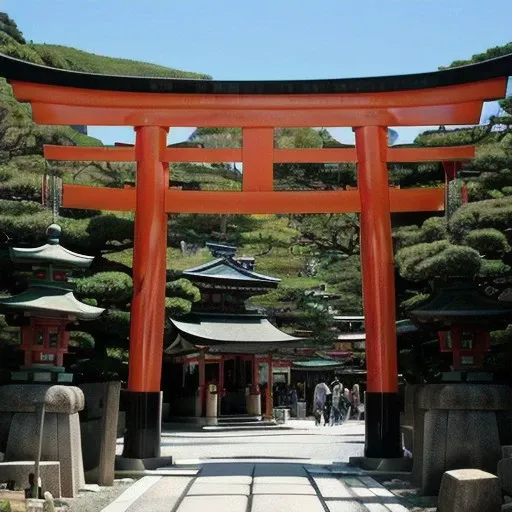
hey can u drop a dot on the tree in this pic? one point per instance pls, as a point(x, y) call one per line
point(474, 238)
point(23, 219)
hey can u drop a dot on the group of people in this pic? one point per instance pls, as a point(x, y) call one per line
point(335, 404)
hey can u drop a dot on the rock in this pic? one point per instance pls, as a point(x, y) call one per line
point(469, 490)
point(49, 505)
point(35, 505)
point(506, 452)
point(123, 481)
point(91, 488)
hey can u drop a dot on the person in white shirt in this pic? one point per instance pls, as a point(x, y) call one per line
point(337, 391)
point(319, 398)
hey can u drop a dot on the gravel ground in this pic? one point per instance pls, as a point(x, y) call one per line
point(409, 495)
point(94, 501)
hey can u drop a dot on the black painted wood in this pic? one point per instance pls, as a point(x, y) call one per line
point(15, 69)
point(143, 427)
point(382, 426)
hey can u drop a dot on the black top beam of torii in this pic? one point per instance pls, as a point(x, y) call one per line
point(15, 69)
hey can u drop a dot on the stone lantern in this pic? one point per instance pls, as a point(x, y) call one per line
point(466, 400)
point(463, 318)
point(46, 308)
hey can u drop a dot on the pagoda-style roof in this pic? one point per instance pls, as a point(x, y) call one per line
point(318, 364)
point(246, 334)
point(50, 253)
point(50, 301)
point(461, 303)
point(352, 336)
point(226, 271)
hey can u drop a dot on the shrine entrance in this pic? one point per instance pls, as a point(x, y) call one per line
point(237, 378)
point(152, 105)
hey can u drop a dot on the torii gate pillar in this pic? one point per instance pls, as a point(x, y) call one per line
point(382, 413)
point(143, 404)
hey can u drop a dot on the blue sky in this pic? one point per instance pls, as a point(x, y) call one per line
point(271, 39)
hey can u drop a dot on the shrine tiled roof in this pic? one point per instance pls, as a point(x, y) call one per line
point(231, 328)
point(223, 269)
point(232, 333)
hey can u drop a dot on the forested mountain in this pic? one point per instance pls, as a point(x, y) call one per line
point(305, 251)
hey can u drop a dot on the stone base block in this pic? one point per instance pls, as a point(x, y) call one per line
point(281, 414)
point(469, 490)
point(19, 471)
point(254, 405)
point(506, 452)
point(505, 475)
point(127, 464)
point(442, 412)
point(384, 465)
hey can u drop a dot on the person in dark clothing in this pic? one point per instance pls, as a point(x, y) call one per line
point(327, 409)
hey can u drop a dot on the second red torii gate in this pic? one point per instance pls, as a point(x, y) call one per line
point(153, 105)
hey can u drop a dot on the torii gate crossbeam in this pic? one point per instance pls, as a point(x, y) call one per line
point(152, 105)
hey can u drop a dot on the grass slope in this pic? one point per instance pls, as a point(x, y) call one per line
point(64, 57)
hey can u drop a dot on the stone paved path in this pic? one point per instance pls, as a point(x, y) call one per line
point(258, 487)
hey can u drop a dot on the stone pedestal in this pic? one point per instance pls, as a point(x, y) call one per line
point(456, 427)
point(99, 425)
point(505, 475)
point(61, 433)
point(254, 404)
point(211, 405)
point(19, 472)
point(407, 420)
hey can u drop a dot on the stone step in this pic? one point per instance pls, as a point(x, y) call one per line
point(238, 418)
point(262, 425)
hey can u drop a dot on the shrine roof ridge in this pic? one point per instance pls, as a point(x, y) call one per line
point(224, 269)
point(18, 70)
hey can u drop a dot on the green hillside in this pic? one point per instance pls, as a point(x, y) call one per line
point(63, 57)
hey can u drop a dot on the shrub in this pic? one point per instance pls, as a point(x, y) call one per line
point(184, 289)
point(492, 213)
point(487, 241)
point(106, 287)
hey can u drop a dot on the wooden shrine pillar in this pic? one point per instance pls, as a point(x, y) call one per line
point(255, 376)
point(202, 383)
point(382, 413)
point(269, 405)
point(254, 398)
point(220, 390)
point(143, 406)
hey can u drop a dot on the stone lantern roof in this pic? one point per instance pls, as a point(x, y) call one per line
point(461, 303)
point(49, 296)
point(50, 302)
point(50, 253)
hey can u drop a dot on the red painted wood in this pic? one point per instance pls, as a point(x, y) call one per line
point(377, 260)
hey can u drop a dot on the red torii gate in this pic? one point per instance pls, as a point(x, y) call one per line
point(151, 105)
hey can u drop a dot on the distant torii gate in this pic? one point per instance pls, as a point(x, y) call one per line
point(151, 105)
